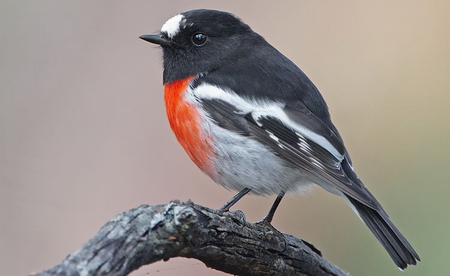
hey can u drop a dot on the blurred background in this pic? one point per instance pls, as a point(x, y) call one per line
point(83, 132)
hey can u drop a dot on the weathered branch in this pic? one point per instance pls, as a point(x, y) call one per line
point(223, 241)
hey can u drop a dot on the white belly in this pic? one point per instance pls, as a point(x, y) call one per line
point(242, 162)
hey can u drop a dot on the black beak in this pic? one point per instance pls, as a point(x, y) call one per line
point(156, 39)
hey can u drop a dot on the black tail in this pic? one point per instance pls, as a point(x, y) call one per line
point(385, 231)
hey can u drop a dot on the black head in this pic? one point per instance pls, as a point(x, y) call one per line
point(199, 41)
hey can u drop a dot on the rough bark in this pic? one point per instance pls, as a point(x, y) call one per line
point(223, 241)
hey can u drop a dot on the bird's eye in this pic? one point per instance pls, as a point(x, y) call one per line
point(199, 39)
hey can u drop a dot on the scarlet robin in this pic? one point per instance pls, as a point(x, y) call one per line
point(254, 122)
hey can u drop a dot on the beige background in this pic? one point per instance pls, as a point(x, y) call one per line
point(83, 134)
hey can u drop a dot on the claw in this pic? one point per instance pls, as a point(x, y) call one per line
point(272, 232)
point(238, 216)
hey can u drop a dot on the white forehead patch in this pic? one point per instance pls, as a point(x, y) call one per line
point(173, 25)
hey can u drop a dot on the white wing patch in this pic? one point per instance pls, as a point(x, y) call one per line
point(173, 25)
point(302, 143)
point(263, 109)
point(210, 92)
point(275, 138)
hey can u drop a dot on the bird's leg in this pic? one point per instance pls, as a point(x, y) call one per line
point(267, 220)
point(226, 207)
point(238, 215)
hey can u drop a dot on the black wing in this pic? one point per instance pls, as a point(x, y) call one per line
point(319, 162)
point(293, 146)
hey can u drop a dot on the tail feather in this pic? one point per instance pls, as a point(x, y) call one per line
point(387, 234)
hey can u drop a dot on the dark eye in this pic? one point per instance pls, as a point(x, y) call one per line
point(199, 39)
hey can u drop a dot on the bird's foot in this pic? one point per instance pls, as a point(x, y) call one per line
point(273, 232)
point(236, 216)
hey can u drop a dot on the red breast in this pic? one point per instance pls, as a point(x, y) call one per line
point(185, 121)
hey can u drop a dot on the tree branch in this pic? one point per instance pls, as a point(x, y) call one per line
point(223, 241)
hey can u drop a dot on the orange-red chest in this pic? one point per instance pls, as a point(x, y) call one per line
point(185, 121)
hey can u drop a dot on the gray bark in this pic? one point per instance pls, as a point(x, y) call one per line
point(223, 241)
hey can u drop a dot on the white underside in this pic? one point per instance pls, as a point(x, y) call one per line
point(242, 162)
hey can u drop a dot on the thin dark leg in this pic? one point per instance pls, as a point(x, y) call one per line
point(234, 199)
point(268, 218)
point(266, 221)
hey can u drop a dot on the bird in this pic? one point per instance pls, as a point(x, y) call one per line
point(252, 120)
